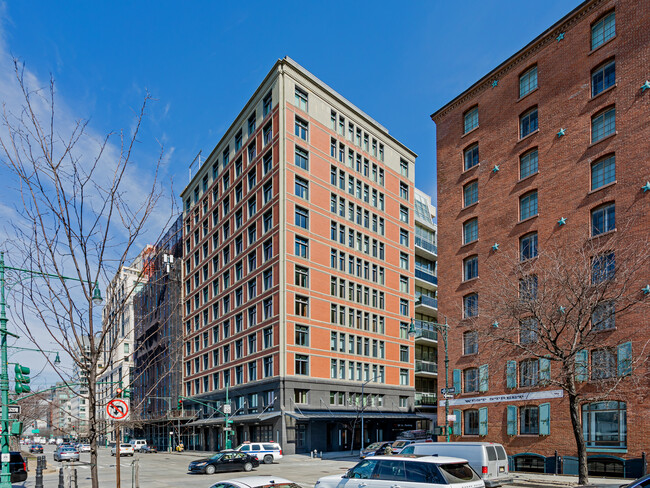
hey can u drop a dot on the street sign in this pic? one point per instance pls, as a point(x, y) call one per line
point(35, 431)
point(228, 429)
point(451, 391)
point(117, 409)
point(6, 457)
point(451, 418)
point(14, 409)
point(449, 396)
point(226, 408)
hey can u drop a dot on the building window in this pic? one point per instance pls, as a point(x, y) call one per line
point(470, 422)
point(603, 77)
point(302, 276)
point(301, 99)
point(470, 305)
point(603, 316)
point(528, 288)
point(528, 331)
point(267, 162)
point(603, 268)
point(302, 335)
point(529, 372)
point(470, 380)
point(470, 342)
point(267, 104)
point(267, 192)
point(404, 354)
point(470, 193)
point(302, 247)
point(300, 396)
point(529, 420)
point(302, 217)
point(470, 156)
point(302, 188)
point(528, 81)
point(301, 128)
point(404, 260)
point(603, 30)
point(603, 124)
point(604, 424)
point(302, 306)
point(603, 364)
point(267, 221)
point(404, 307)
point(528, 246)
point(302, 158)
point(528, 123)
point(403, 377)
point(528, 164)
point(403, 168)
point(404, 237)
point(528, 205)
point(470, 231)
point(603, 172)
point(470, 268)
point(268, 366)
point(603, 219)
point(302, 364)
point(470, 120)
point(267, 134)
point(251, 124)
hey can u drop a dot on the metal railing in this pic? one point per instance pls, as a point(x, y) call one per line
point(425, 398)
point(427, 301)
point(426, 276)
point(425, 366)
point(426, 244)
point(425, 330)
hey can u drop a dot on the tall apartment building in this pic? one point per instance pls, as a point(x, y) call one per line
point(426, 310)
point(298, 273)
point(550, 146)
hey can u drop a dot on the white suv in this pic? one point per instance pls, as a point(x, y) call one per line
point(125, 450)
point(422, 472)
point(265, 452)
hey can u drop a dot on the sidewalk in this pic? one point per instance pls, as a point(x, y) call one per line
point(550, 480)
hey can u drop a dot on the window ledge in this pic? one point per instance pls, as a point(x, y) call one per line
point(469, 355)
point(601, 331)
point(470, 280)
point(470, 131)
point(465, 171)
point(527, 94)
point(527, 177)
point(469, 243)
point(530, 134)
point(470, 205)
point(528, 219)
point(606, 90)
point(609, 136)
point(602, 45)
point(604, 234)
point(602, 187)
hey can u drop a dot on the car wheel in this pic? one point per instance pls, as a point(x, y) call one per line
point(268, 459)
point(210, 469)
point(248, 467)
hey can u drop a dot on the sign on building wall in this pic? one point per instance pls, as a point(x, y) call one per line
point(514, 397)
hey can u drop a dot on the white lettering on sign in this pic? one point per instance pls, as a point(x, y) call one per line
point(514, 397)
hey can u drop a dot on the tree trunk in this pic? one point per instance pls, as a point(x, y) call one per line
point(92, 426)
point(574, 408)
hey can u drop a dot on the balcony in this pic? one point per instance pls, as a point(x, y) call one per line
point(423, 398)
point(426, 367)
point(427, 245)
point(425, 301)
point(423, 330)
point(427, 276)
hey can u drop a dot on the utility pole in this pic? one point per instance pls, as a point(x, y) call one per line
point(118, 475)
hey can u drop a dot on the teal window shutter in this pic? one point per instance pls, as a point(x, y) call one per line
point(581, 365)
point(457, 386)
point(544, 371)
point(625, 359)
point(511, 374)
point(545, 419)
point(483, 378)
point(483, 421)
point(457, 427)
point(512, 420)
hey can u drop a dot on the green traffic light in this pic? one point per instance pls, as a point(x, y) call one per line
point(22, 380)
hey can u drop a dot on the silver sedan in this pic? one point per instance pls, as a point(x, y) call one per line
point(66, 454)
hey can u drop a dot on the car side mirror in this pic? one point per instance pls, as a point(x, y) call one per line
point(347, 473)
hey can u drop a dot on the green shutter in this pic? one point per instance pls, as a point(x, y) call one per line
point(483, 378)
point(457, 385)
point(457, 427)
point(544, 371)
point(483, 421)
point(625, 359)
point(511, 374)
point(545, 419)
point(581, 365)
point(512, 420)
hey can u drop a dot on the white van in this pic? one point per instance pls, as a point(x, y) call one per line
point(488, 459)
point(138, 444)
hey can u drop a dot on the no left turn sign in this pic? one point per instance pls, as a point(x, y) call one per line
point(117, 409)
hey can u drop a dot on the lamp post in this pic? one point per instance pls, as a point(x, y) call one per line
point(363, 407)
point(5, 477)
point(440, 328)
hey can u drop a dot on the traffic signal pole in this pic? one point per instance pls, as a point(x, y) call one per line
point(5, 478)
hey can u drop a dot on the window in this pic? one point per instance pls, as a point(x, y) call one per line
point(268, 337)
point(470, 268)
point(302, 158)
point(470, 156)
point(528, 246)
point(403, 214)
point(267, 103)
point(404, 237)
point(300, 396)
point(251, 124)
point(403, 168)
point(238, 141)
point(267, 135)
point(470, 422)
point(268, 366)
point(404, 307)
point(302, 247)
point(528, 288)
point(267, 279)
point(528, 205)
point(267, 220)
point(267, 308)
point(528, 81)
point(529, 420)
point(604, 424)
point(404, 260)
point(528, 123)
point(603, 172)
point(404, 191)
point(302, 306)
point(403, 377)
point(302, 364)
point(302, 335)
point(301, 99)
point(267, 250)
point(470, 305)
point(470, 342)
point(603, 124)
point(302, 217)
point(470, 120)
point(302, 276)
point(470, 193)
point(528, 331)
point(603, 77)
point(603, 317)
point(267, 163)
point(470, 231)
point(470, 380)
point(529, 372)
point(602, 268)
point(301, 128)
point(528, 164)
point(404, 354)
point(603, 364)
point(603, 30)
point(302, 187)
point(267, 192)
point(603, 219)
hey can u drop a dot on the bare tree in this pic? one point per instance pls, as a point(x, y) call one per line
point(559, 308)
point(83, 215)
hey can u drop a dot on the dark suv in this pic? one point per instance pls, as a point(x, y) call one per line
point(17, 467)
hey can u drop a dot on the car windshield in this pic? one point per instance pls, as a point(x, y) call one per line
point(362, 470)
point(399, 444)
point(218, 455)
point(374, 445)
point(458, 473)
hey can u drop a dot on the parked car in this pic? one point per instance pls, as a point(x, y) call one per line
point(407, 472)
point(375, 449)
point(125, 450)
point(36, 448)
point(224, 461)
point(84, 448)
point(400, 444)
point(415, 435)
point(52, 441)
point(66, 453)
point(17, 467)
point(138, 443)
point(487, 458)
point(642, 482)
point(265, 452)
point(256, 482)
point(148, 449)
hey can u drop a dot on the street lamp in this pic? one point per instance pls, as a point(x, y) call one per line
point(441, 328)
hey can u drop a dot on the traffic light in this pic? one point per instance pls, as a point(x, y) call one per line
point(126, 393)
point(22, 380)
point(118, 393)
point(180, 404)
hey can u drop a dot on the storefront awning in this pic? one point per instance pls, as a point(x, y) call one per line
point(237, 419)
point(337, 416)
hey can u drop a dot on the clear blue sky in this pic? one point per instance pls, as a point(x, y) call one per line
point(397, 61)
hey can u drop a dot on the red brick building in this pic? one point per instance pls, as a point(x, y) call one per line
point(545, 147)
